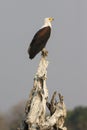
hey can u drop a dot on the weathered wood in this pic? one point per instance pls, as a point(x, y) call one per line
point(36, 106)
point(58, 114)
point(35, 110)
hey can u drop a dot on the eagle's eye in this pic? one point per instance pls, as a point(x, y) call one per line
point(51, 19)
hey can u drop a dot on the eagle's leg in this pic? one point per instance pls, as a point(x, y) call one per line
point(44, 52)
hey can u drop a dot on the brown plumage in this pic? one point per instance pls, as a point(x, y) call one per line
point(40, 39)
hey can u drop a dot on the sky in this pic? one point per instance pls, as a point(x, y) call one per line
point(67, 47)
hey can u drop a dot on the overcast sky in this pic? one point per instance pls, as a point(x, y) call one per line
point(67, 46)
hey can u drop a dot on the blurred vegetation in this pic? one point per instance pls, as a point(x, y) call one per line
point(76, 118)
point(11, 119)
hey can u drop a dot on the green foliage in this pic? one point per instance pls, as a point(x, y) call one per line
point(77, 119)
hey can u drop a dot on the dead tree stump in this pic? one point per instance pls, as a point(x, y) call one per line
point(35, 110)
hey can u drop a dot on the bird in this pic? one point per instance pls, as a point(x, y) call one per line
point(40, 39)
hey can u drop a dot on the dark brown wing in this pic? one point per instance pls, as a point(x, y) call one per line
point(39, 41)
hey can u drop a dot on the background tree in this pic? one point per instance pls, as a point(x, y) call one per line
point(77, 119)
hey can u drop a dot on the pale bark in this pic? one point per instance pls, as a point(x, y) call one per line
point(35, 109)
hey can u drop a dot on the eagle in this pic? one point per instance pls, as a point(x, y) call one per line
point(40, 38)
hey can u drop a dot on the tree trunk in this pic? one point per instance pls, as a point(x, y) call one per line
point(35, 110)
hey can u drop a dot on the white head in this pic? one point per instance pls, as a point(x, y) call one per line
point(47, 22)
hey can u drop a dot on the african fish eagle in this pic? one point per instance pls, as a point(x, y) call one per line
point(40, 38)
